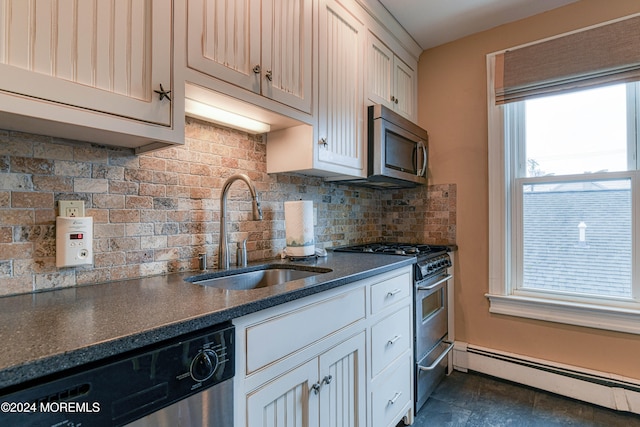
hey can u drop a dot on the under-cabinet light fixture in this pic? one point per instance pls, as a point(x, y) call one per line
point(213, 114)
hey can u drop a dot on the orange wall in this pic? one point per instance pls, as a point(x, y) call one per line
point(453, 107)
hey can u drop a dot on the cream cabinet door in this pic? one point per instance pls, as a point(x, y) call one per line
point(404, 97)
point(108, 56)
point(379, 72)
point(223, 40)
point(287, 401)
point(286, 52)
point(340, 144)
point(342, 384)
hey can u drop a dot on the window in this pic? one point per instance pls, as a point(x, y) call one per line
point(564, 183)
point(572, 216)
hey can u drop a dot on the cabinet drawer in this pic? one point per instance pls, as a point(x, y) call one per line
point(279, 336)
point(391, 393)
point(390, 337)
point(391, 291)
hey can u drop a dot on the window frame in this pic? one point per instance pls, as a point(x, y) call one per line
point(504, 298)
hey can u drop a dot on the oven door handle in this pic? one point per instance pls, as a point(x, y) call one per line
point(428, 288)
point(439, 359)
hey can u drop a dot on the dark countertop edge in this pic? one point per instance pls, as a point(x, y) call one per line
point(38, 370)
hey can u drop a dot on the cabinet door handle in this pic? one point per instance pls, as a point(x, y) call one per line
point(393, 340)
point(327, 380)
point(394, 292)
point(323, 142)
point(257, 69)
point(269, 75)
point(316, 388)
point(393, 99)
point(163, 93)
point(395, 398)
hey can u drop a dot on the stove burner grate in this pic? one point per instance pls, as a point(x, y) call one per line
point(394, 249)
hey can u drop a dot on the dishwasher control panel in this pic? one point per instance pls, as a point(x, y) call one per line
point(122, 389)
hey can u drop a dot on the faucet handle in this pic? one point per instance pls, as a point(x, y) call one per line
point(202, 261)
point(257, 209)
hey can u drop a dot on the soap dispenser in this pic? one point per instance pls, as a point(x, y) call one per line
point(241, 254)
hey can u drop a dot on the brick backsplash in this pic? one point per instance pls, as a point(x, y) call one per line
point(154, 213)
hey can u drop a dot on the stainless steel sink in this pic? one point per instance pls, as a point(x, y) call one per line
point(254, 278)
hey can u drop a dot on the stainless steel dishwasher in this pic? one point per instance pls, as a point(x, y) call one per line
point(185, 381)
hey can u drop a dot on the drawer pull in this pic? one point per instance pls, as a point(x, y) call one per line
point(393, 340)
point(394, 292)
point(395, 398)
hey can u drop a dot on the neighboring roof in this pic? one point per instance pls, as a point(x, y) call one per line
point(554, 256)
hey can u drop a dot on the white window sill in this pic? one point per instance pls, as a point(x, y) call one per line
point(571, 313)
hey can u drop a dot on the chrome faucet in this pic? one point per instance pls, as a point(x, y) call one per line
point(223, 249)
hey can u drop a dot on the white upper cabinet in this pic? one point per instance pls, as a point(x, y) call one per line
point(83, 57)
point(261, 46)
point(341, 91)
point(391, 82)
point(363, 57)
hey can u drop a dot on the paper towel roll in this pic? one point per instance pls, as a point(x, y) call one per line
point(298, 219)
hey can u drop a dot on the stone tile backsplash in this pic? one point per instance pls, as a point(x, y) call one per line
point(154, 213)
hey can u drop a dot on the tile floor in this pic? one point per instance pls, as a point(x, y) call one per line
point(471, 399)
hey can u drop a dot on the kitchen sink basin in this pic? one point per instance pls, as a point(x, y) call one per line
point(255, 278)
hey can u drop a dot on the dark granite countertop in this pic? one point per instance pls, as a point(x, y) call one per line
point(49, 332)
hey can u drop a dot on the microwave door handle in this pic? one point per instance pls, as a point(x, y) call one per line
point(423, 169)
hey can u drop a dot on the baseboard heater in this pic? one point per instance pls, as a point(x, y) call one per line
point(599, 388)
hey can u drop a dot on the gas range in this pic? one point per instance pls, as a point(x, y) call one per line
point(429, 258)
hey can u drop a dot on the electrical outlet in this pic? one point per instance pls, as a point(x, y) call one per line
point(71, 208)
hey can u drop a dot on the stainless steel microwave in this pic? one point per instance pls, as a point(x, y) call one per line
point(397, 151)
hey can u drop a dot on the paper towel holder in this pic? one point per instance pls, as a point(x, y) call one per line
point(299, 228)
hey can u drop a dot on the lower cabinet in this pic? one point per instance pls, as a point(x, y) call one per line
point(328, 390)
point(340, 358)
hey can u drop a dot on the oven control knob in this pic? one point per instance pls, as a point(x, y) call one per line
point(203, 365)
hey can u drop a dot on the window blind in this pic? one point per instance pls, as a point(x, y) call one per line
point(596, 56)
